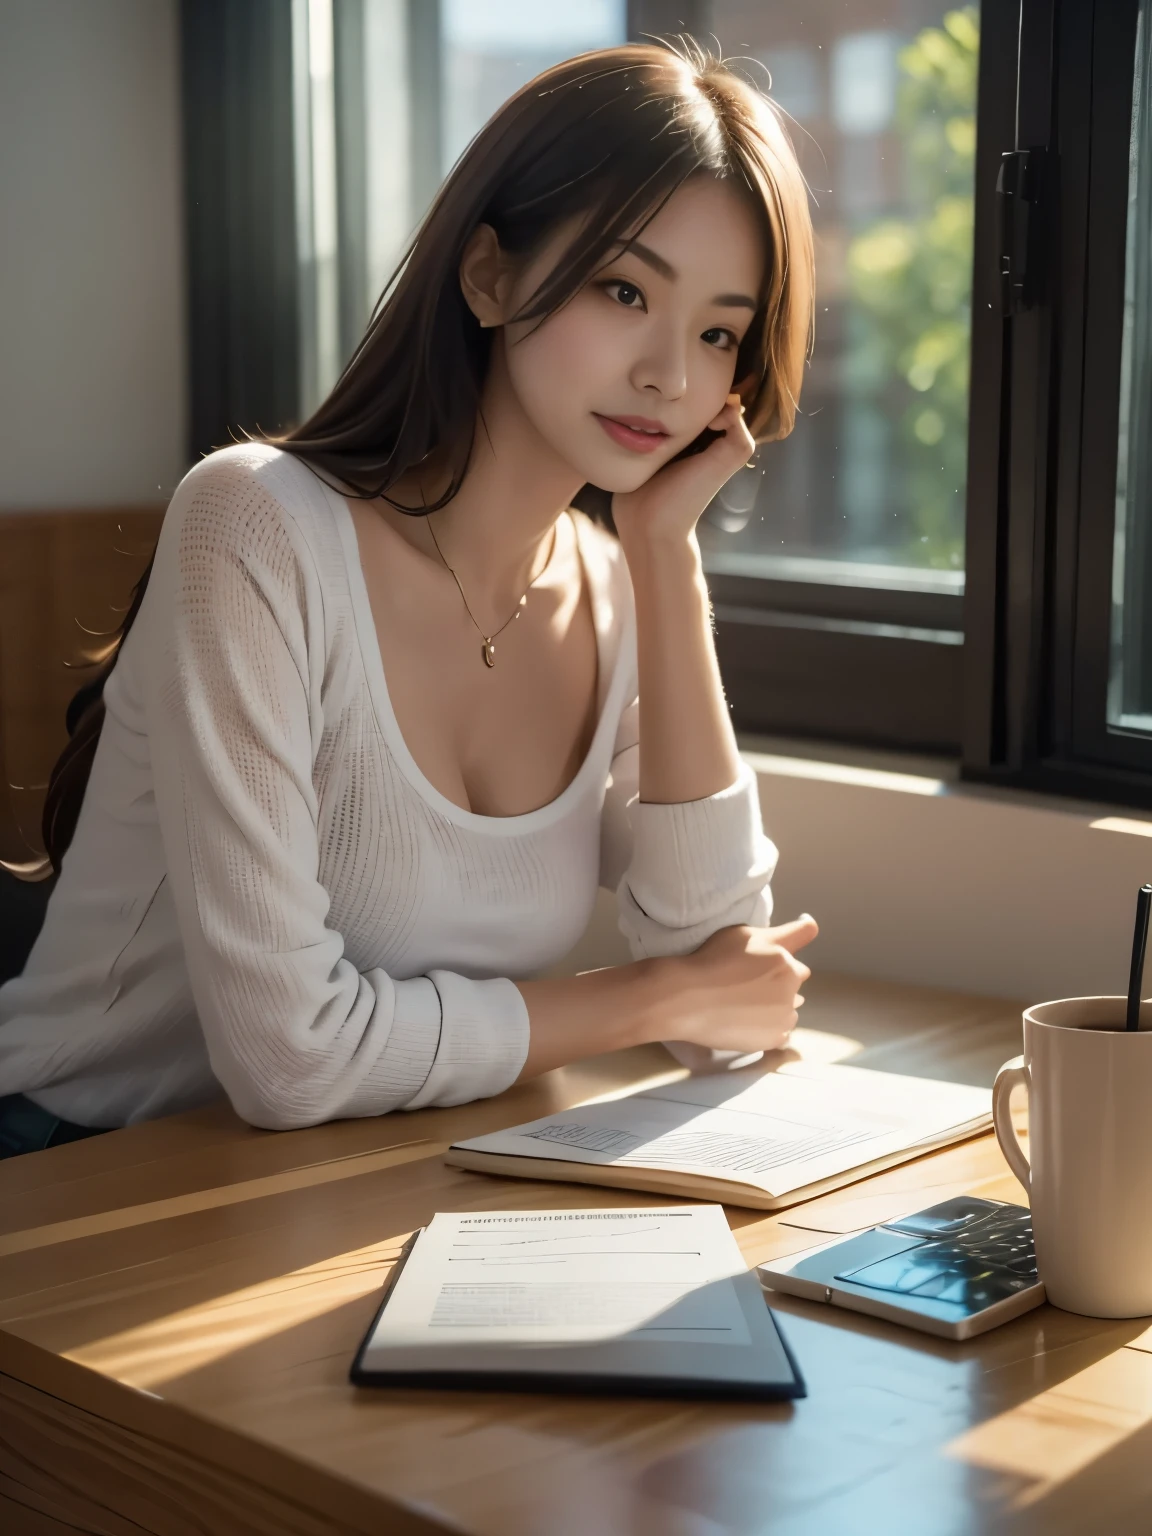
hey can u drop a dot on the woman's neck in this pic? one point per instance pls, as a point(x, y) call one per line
point(497, 529)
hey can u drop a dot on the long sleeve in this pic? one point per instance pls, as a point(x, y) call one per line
point(681, 872)
point(233, 692)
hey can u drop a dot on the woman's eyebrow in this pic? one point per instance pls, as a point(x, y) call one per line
point(650, 259)
point(666, 270)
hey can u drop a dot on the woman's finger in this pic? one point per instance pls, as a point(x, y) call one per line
point(794, 935)
point(737, 438)
point(732, 449)
point(728, 415)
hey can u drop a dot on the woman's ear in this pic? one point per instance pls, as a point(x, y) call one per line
point(484, 278)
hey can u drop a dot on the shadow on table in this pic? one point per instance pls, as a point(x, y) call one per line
point(1026, 1430)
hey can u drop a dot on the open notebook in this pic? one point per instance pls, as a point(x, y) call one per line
point(756, 1138)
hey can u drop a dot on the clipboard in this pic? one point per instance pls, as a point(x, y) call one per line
point(663, 1358)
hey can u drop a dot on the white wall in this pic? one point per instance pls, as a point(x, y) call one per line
point(915, 878)
point(92, 357)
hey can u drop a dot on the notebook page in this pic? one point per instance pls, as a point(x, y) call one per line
point(564, 1277)
point(776, 1131)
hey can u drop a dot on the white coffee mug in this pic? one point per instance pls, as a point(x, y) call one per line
point(1089, 1173)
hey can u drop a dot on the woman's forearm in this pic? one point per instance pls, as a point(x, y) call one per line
point(687, 745)
point(576, 1016)
point(737, 992)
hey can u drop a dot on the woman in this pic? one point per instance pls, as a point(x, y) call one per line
point(389, 709)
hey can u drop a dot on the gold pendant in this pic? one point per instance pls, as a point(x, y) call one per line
point(488, 651)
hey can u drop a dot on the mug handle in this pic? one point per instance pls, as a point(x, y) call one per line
point(1011, 1073)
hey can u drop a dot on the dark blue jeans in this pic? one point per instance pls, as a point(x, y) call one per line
point(25, 1127)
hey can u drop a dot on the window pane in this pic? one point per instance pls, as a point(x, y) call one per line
point(870, 486)
point(1130, 694)
point(429, 76)
point(493, 47)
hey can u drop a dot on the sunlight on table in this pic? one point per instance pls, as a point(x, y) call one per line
point(185, 1341)
point(1052, 1437)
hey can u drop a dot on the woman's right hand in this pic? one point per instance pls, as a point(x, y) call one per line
point(740, 990)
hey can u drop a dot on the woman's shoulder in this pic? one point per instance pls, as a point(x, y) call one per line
point(255, 499)
point(254, 471)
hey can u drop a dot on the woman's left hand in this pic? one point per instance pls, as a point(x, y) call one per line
point(669, 505)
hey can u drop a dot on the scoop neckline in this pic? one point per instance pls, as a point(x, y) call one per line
point(377, 680)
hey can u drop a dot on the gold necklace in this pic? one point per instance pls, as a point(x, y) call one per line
point(488, 648)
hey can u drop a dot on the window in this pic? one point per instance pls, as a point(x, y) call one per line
point(493, 47)
point(1059, 557)
point(837, 563)
point(869, 489)
point(1130, 681)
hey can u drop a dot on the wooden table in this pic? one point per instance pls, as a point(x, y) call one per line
point(179, 1304)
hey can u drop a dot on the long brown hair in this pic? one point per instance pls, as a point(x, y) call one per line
point(601, 141)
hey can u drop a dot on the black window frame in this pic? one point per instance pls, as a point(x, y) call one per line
point(1046, 398)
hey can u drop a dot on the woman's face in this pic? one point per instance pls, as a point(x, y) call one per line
point(637, 364)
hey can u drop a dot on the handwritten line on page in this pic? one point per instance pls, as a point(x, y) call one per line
point(713, 1149)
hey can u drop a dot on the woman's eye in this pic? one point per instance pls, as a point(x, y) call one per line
point(626, 293)
point(717, 337)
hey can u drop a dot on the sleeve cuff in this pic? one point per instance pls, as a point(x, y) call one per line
point(695, 860)
point(407, 1058)
point(483, 1039)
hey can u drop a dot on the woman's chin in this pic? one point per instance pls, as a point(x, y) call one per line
point(589, 453)
point(617, 478)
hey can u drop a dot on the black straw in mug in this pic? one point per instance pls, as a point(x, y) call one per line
point(1139, 945)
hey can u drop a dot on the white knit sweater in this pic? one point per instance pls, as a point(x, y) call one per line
point(266, 895)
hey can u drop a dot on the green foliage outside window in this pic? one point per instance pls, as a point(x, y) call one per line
point(910, 279)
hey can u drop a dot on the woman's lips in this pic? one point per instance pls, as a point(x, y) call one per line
point(635, 432)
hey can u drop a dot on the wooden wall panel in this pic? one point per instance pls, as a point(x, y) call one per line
point(65, 580)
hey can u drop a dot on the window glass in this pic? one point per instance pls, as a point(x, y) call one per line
point(493, 47)
point(870, 487)
point(420, 80)
point(1130, 693)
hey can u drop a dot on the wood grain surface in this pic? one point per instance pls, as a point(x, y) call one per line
point(180, 1302)
point(65, 579)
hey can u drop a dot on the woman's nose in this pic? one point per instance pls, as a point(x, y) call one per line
point(663, 365)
